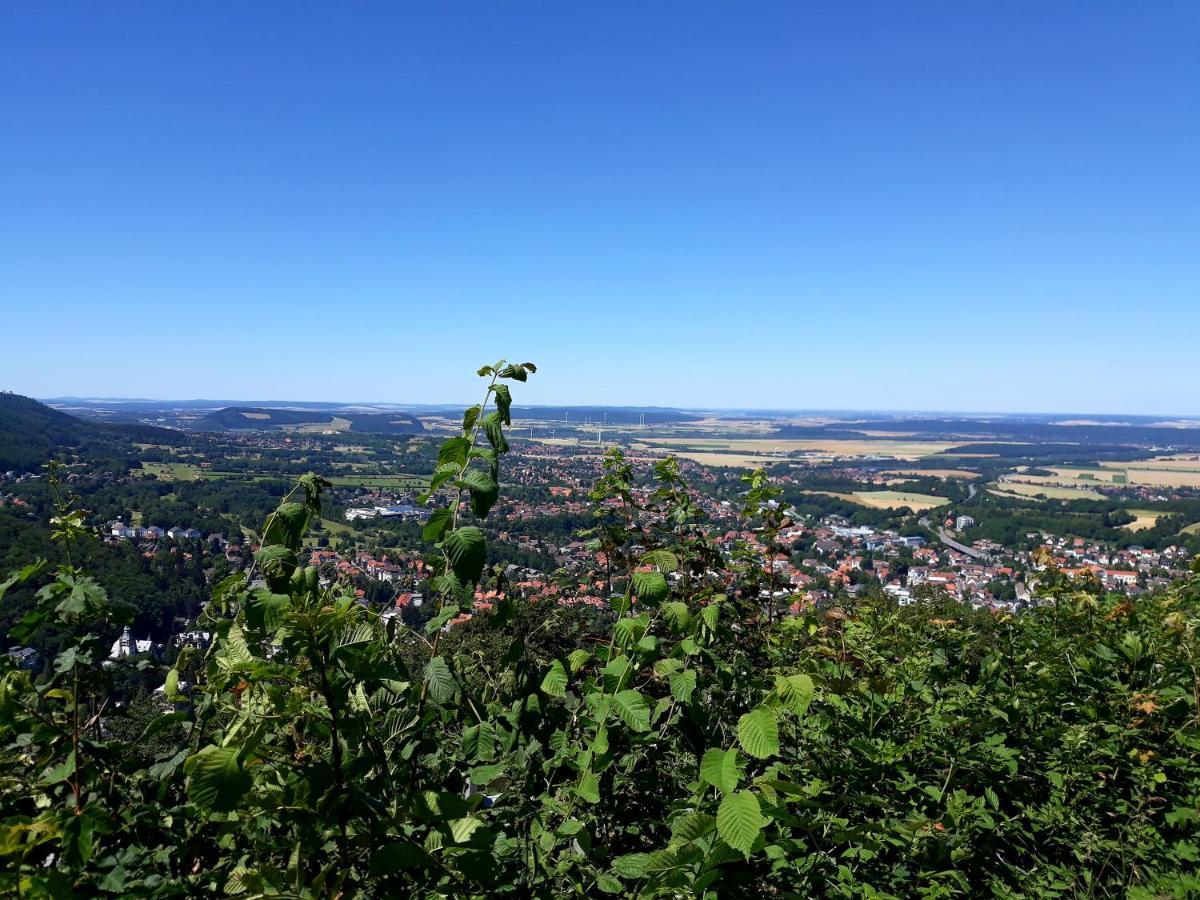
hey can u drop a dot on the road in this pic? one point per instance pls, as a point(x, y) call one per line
point(961, 548)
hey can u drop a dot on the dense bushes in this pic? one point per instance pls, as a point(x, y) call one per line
point(685, 743)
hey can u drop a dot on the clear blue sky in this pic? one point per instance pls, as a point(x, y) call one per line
point(818, 205)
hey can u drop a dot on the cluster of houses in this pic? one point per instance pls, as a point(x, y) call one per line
point(119, 529)
point(385, 511)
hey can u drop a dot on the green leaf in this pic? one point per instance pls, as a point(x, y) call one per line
point(617, 673)
point(454, 450)
point(710, 614)
point(439, 680)
point(286, 526)
point(740, 820)
point(515, 372)
point(683, 685)
point(462, 829)
point(631, 865)
point(630, 630)
point(438, 522)
point(503, 403)
point(758, 732)
point(609, 885)
point(479, 741)
point(438, 622)
point(720, 769)
point(264, 609)
point(470, 417)
point(632, 709)
point(492, 427)
point(555, 682)
point(577, 659)
point(171, 687)
point(692, 826)
point(663, 560)
point(650, 587)
point(466, 549)
point(589, 787)
point(216, 779)
point(677, 615)
point(796, 691)
point(483, 488)
point(481, 775)
point(277, 564)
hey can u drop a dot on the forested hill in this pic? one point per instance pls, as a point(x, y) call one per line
point(246, 418)
point(31, 433)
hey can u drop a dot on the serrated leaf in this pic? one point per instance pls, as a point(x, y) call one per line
point(663, 560)
point(631, 865)
point(494, 431)
point(439, 521)
point(439, 680)
point(650, 587)
point(216, 779)
point(555, 682)
point(630, 630)
point(454, 450)
point(470, 417)
point(710, 615)
point(796, 691)
point(632, 709)
point(677, 615)
point(692, 826)
point(720, 769)
point(483, 489)
point(740, 820)
point(617, 673)
point(462, 829)
point(758, 733)
point(479, 741)
point(466, 549)
point(577, 659)
point(683, 685)
point(503, 402)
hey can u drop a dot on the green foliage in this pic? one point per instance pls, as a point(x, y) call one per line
point(686, 742)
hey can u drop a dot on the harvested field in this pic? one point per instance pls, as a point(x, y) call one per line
point(888, 499)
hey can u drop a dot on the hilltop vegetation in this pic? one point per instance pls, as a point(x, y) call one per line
point(681, 742)
point(31, 433)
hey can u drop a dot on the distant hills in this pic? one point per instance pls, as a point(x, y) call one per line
point(32, 433)
point(261, 418)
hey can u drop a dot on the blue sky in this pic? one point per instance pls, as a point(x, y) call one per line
point(803, 205)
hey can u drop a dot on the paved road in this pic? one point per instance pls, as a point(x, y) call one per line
point(961, 548)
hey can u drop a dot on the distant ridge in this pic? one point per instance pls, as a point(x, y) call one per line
point(32, 433)
point(261, 418)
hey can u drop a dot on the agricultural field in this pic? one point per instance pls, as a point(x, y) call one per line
point(168, 471)
point(778, 449)
point(1178, 473)
point(1146, 518)
point(1192, 529)
point(335, 423)
point(1050, 489)
point(935, 473)
point(888, 499)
